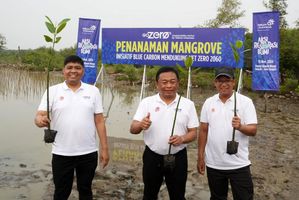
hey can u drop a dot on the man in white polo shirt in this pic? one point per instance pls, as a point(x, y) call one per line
point(217, 122)
point(155, 117)
point(76, 115)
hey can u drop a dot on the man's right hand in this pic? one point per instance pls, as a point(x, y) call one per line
point(137, 126)
point(41, 119)
point(146, 122)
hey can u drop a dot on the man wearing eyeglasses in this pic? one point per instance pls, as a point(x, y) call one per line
point(221, 115)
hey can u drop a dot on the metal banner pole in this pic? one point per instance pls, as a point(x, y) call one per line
point(98, 76)
point(240, 81)
point(143, 83)
point(189, 84)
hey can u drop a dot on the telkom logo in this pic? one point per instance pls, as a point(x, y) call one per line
point(156, 35)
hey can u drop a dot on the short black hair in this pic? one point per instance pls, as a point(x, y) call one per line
point(73, 59)
point(167, 69)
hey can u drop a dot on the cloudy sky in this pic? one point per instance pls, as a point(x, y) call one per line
point(22, 21)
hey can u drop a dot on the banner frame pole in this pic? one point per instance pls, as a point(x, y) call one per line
point(189, 85)
point(240, 81)
point(143, 83)
point(241, 75)
point(98, 76)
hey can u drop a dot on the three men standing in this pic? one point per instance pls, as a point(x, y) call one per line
point(168, 122)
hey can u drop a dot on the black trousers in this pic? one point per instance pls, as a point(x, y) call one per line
point(154, 173)
point(63, 168)
point(240, 181)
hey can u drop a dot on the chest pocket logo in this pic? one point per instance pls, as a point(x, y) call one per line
point(86, 97)
point(157, 109)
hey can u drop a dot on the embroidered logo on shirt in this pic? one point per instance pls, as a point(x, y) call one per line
point(213, 110)
point(157, 109)
point(61, 98)
point(86, 97)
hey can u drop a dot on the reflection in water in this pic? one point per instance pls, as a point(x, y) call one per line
point(21, 84)
point(125, 151)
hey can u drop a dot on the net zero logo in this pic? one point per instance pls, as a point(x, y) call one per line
point(156, 35)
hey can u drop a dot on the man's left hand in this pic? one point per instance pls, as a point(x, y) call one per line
point(176, 140)
point(236, 122)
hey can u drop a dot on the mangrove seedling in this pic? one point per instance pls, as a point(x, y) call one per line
point(49, 135)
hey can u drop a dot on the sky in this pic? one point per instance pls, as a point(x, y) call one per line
point(22, 22)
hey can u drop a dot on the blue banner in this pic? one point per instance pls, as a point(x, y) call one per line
point(87, 47)
point(209, 47)
point(265, 51)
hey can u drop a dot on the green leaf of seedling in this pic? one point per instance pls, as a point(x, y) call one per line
point(60, 27)
point(64, 21)
point(236, 56)
point(48, 38)
point(177, 65)
point(50, 27)
point(49, 20)
point(233, 47)
point(239, 44)
point(188, 61)
point(62, 24)
point(57, 39)
point(180, 69)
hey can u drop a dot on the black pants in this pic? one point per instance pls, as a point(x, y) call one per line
point(63, 168)
point(240, 181)
point(154, 173)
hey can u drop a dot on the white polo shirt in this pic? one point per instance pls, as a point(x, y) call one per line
point(219, 117)
point(73, 117)
point(162, 116)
